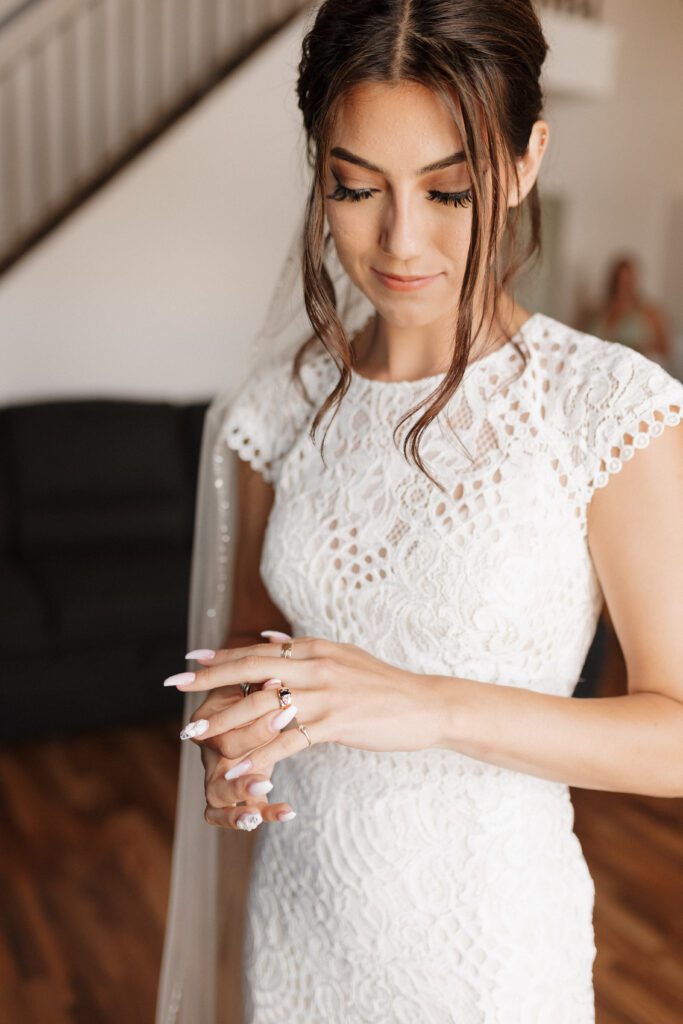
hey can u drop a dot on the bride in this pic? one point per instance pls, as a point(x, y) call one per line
point(386, 703)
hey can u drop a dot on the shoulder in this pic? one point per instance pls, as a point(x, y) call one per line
point(606, 398)
point(568, 357)
point(269, 408)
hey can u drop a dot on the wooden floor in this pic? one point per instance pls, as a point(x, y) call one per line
point(85, 859)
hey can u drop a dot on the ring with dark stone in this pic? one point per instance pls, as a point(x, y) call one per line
point(284, 696)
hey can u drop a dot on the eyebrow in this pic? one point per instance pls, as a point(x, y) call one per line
point(438, 165)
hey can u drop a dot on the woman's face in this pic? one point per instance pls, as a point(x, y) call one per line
point(397, 225)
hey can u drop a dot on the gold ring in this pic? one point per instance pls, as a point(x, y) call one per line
point(286, 649)
point(302, 728)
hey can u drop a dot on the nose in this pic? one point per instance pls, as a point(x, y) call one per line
point(400, 230)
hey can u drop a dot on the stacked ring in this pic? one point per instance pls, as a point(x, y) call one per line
point(285, 694)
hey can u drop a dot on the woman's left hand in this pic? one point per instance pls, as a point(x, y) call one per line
point(341, 694)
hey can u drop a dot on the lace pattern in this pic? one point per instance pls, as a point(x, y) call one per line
point(430, 886)
point(602, 399)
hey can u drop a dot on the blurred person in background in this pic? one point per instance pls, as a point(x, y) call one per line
point(625, 316)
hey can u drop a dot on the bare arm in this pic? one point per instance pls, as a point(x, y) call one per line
point(252, 607)
point(661, 336)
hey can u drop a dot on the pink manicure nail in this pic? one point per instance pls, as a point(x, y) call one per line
point(271, 683)
point(237, 770)
point(286, 815)
point(260, 788)
point(283, 717)
point(276, 633)
point(202, 652)
point(249, 821)
point(180, 679)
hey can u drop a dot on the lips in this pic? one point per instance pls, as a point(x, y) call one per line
point(401, 277)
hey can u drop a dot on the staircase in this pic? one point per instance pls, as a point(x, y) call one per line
point(85, 85)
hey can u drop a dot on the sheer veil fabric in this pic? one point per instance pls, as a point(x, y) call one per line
point(209, 869)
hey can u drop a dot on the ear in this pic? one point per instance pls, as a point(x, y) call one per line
point(529, 164)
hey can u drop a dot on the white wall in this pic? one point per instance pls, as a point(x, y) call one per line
point(154, 288)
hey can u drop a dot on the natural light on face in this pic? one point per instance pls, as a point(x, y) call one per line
point(397, 221)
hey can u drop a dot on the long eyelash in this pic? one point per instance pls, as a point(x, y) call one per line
point(354, 194)
point(443, 198)
point(454, 198)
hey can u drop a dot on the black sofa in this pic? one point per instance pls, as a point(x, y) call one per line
point(96, 519)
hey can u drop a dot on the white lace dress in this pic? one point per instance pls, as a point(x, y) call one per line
point(429, 886)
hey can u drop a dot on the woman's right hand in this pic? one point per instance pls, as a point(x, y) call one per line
point(229, 801)
point(223, 798)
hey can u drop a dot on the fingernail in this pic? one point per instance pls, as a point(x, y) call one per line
point(195, 728)
point(201, 652)
point(270, 683)
point(283, 717)
point(260, 788)
point(180, 679)
point(237, 770)
point(249, 821)
point(276, 633)
point(286, 815)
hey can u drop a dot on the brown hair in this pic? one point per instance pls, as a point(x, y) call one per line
point(614, 273)
point(489, 54)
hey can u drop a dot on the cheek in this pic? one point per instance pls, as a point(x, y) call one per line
point(454, 234)
point(351, 227)
point(354, 230)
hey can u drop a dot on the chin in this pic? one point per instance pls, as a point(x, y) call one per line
point(402, 315)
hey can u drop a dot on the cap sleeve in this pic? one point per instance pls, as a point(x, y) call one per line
point(264, 417)
point(626, 400)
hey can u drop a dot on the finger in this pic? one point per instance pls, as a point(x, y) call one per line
point(252, 668)
point(252, 815)
point(260, 760)
point(250, 787)
point(227, 654)
point(261, 708)
point(222, 654)
point(216, 701)
point(237, 743)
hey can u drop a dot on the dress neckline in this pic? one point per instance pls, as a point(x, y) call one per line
point(369, 383)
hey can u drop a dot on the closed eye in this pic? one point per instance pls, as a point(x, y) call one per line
point(355, 195)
